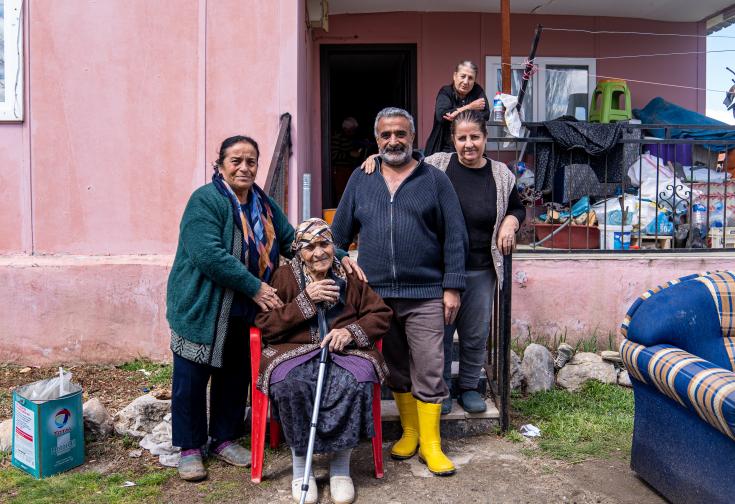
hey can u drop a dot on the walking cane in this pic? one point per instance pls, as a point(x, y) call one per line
point(323, 359)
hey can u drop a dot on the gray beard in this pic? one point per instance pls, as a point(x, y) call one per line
point(393, 158)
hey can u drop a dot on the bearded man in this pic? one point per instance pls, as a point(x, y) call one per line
point(412, 247)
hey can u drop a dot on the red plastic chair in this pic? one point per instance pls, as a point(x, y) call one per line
point(260, 412)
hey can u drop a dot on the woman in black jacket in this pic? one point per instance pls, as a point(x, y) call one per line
point(462, 94)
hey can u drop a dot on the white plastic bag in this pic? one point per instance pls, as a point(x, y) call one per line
point(51, 388)
point(512, 117)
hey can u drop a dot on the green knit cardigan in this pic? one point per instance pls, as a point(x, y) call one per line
point(207, 271)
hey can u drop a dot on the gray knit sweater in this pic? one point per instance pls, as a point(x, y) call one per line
point(504, 181)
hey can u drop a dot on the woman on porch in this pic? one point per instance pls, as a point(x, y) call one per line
point(493, 212)
point(357, 316)
point(461, 95)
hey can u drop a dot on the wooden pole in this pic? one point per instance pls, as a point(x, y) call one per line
point(505, 46)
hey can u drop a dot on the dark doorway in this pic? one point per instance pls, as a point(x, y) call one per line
point(357, 81)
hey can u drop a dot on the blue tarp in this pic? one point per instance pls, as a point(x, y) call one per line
point(659, 111)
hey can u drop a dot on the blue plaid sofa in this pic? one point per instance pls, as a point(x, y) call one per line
point(679, 350)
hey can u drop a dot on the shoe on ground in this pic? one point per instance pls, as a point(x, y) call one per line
point(472, 401)
point(341, 489)
point(447, 406)
point(234, 454)
point(311, 495)
point(191, 467)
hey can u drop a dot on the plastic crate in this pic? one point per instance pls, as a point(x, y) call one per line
point(571, 237)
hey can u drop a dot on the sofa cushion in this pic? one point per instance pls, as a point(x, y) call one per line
point(691, 381)
point(693, 313)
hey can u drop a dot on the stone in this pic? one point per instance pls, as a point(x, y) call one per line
point(96, 418)
point(563, 354)
point(583, 367)
point(6, 435)
point(612, 356)
point(141, 416)
point(537, 368)
point(516, 375)
point(135, 453)
point(162, 394)
point(624, 379)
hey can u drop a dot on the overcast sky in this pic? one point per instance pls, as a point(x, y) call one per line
point(717, 76)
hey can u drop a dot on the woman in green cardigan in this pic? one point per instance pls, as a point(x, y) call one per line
point(230, 239)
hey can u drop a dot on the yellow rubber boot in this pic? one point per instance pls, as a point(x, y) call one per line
point(430, 446)
point(405, 447)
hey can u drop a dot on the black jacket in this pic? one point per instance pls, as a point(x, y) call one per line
point(447, 100)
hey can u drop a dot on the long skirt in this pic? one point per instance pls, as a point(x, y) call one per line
point(345, 415)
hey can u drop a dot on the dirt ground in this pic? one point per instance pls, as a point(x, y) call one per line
point(490, 468)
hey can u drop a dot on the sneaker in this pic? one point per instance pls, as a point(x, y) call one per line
point(447, 406)
point(233, 453)
point(311, 494)
point(341, 489)
point(191, 467)
point(472, 401)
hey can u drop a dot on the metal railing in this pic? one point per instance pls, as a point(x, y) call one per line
point(644, 194)
point(498, 358)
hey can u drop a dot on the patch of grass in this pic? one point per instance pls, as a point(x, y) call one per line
point(160, 373)
point(222, 491)
point(129, 442)
point(596, 422)
point(17, 487)
point(514, 436)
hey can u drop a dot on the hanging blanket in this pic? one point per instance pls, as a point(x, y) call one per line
point(578, 143)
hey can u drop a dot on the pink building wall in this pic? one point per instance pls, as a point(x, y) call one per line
point(126, 105)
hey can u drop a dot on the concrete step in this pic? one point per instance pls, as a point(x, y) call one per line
point(458, 423)
point(482, 384)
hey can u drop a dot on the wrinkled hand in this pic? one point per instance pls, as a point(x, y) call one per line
point(451, 302)
point(323, 290)
point(267, 298)
point(351, 266)
point(337, 339)
point(368, 166)
point(478, 104)
point(507, 234)
point(449, 116)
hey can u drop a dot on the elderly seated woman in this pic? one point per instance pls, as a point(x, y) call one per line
point(357, 317)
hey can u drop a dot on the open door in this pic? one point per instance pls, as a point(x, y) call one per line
point(357, 81)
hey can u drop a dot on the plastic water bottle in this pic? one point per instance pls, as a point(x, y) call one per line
point(498, 113)
point(699, 218)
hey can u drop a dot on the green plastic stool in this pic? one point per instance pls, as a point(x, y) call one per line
point(605, 100)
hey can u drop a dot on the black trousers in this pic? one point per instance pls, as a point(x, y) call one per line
point(227, 395)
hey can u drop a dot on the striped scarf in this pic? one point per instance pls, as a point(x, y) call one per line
point(261, 234)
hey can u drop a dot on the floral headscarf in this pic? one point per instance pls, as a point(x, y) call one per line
point(308, 232)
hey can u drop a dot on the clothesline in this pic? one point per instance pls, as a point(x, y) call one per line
point(613, 32)
point(664, 54)
point(636, 80)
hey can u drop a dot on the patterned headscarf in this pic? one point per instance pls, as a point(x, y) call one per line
point(310, 231)
point(307, 232)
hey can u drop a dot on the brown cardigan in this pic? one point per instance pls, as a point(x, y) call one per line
point(287, 332)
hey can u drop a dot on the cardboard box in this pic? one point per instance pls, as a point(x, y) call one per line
point(48, 436)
